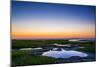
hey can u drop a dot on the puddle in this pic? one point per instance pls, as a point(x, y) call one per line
point(64, 53)
point(66, 45)
point(30, 48)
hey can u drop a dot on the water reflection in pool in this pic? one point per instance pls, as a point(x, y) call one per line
point(64, 53)
point(30, 48)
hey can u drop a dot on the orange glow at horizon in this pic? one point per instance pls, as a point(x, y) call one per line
point(72, 34)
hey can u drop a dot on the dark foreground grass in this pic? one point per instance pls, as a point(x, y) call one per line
point(22, 58)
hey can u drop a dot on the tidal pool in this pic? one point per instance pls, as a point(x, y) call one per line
point(64, 53)
point(30, 48)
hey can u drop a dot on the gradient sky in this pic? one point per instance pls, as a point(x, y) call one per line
point(34, 20)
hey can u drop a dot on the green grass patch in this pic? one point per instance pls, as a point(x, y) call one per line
point(22, 58)
point(88, 47)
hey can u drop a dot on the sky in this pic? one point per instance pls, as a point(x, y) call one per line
point(35, 20)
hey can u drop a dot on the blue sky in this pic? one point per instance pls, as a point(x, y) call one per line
point(36, 16)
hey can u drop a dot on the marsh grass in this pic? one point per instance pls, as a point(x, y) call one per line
point(22, 58)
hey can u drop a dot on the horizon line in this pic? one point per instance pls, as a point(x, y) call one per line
point(48, 38)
